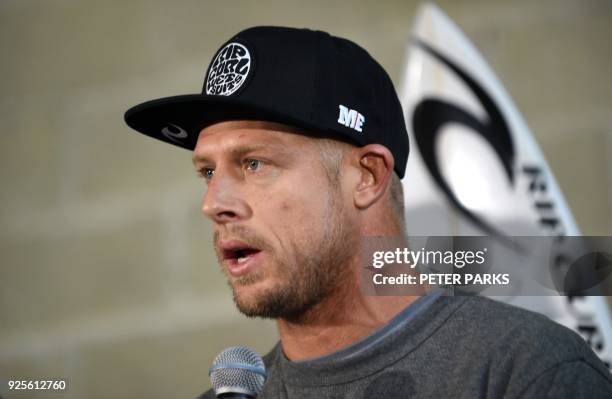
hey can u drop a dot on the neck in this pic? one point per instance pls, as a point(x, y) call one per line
point(328, 328)
point(343, 318)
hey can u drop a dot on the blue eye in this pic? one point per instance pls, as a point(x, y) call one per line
point(253, 164)
point(208, 173)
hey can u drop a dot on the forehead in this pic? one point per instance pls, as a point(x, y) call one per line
point(230, 135)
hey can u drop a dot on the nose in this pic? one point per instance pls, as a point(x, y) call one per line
point(224, 200)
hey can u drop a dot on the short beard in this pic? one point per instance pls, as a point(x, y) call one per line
point(319, 270)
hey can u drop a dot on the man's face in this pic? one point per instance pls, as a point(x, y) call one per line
point(281, 225)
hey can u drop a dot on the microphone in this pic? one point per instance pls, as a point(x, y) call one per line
point(238, 372)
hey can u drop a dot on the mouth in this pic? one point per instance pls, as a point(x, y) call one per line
point(238, 257)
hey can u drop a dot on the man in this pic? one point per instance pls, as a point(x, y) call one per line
point(301, 141)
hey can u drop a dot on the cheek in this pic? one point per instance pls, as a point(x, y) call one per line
point(295, 203)
point(297, 217)
point(293, 211)
point(274, 208)
point(304, 206)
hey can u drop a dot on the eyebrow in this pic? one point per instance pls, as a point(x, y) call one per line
point(240, 151)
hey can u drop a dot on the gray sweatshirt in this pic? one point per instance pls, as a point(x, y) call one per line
point(449, 347)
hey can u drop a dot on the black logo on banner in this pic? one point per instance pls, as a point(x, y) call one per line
point(431, 114)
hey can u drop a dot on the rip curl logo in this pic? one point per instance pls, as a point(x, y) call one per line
point(174, 133)
point(228, 70)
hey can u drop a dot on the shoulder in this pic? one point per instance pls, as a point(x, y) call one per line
point(571, 379)
point(524, 347)
point(503, 323)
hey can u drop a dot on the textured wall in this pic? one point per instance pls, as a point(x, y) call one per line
point(107, 275)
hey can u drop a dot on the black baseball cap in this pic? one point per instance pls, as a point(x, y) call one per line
point(299, 77)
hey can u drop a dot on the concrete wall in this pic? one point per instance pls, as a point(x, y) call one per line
point(107, 276)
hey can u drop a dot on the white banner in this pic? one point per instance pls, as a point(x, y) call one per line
point(474, 166)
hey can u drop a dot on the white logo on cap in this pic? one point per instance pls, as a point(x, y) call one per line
point(174, 136)
point(351, 118)
point(228, 70)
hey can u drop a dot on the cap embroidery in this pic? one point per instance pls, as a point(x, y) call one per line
point(351, 118)
point(228, 70)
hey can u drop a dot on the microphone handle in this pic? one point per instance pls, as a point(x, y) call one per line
point(231, 395)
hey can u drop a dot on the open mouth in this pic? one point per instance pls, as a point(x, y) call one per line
point(238, 257)
point(239, 254)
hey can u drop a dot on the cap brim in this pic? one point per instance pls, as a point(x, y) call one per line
point(178, 120)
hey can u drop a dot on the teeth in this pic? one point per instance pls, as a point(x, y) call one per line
point(242, 259)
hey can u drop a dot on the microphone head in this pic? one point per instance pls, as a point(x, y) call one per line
point(238, 369)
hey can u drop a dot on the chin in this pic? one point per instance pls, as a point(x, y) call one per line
point(251, 293)
point(260, 299)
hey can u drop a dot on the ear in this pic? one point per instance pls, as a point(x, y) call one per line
point(375, 166)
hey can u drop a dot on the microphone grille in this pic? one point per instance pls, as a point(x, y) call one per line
point(238, 369)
